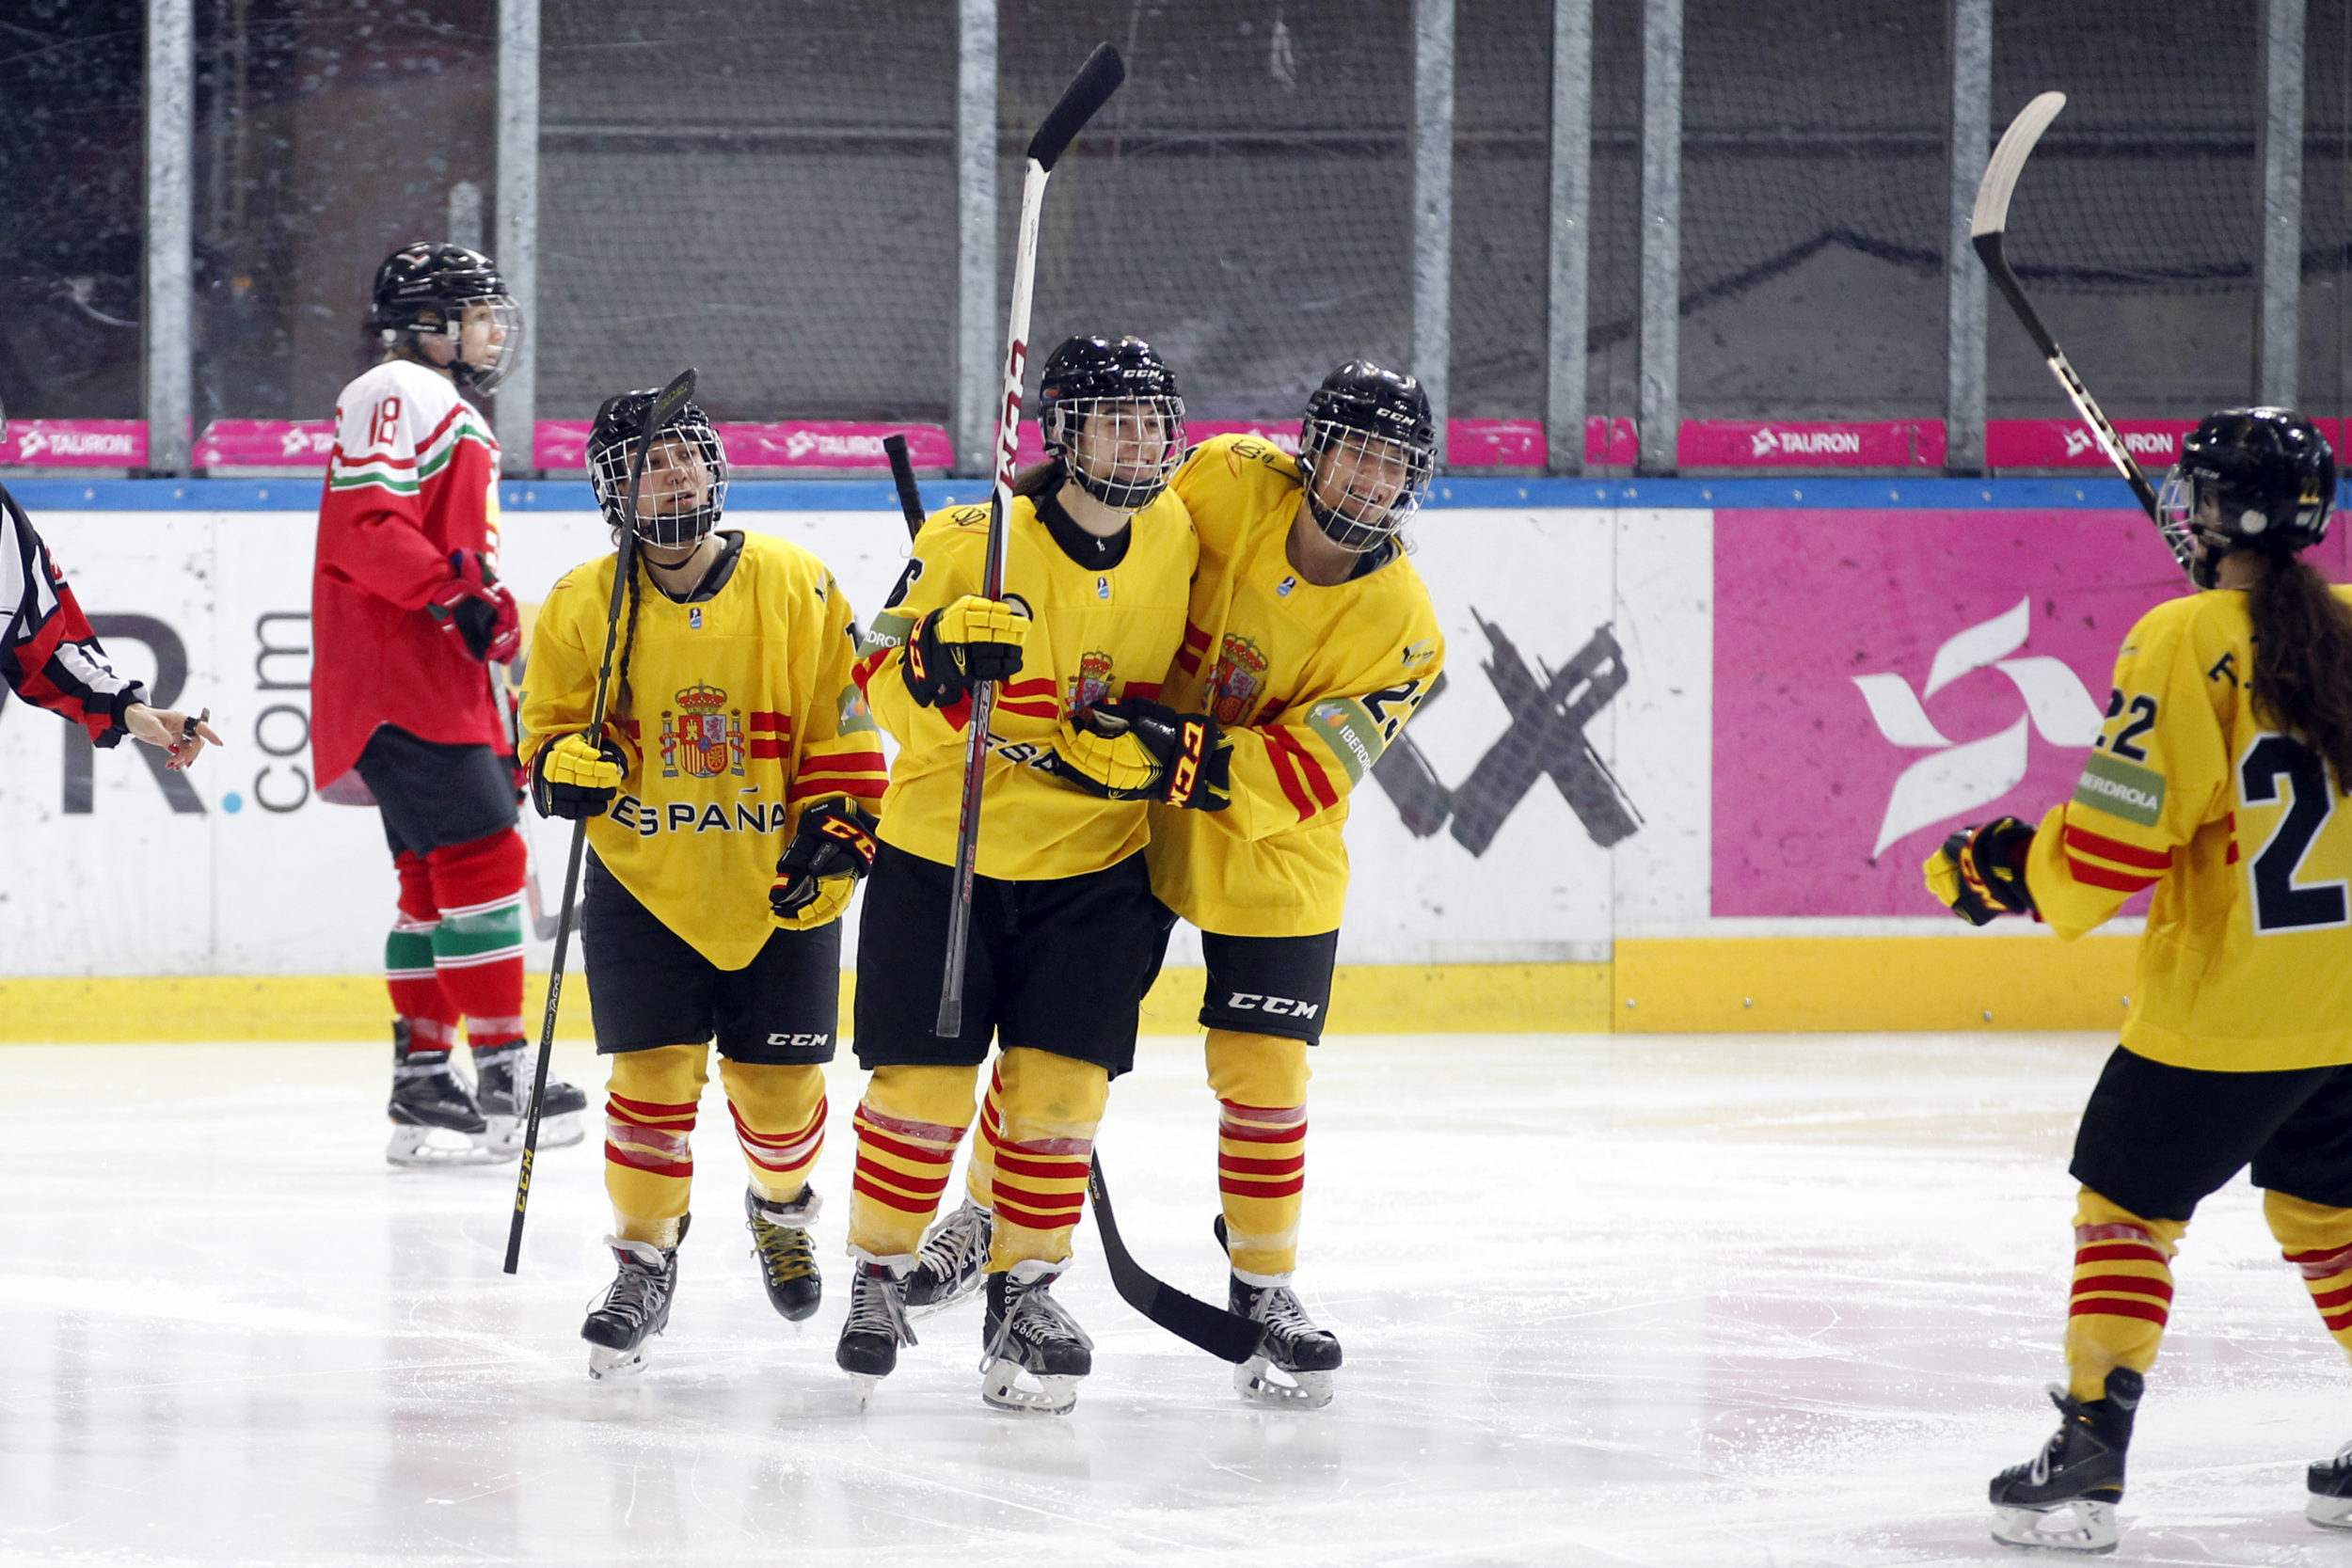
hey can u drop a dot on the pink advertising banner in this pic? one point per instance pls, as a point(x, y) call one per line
point(1810, 444)
point(266, 444)
point(1884, 676)
point(75, 443)
point(824, 444)
point(1469, 443)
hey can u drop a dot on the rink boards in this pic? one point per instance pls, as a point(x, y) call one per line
point(1694, 740)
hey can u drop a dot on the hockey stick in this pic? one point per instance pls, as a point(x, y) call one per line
point(1088, 92)
point(542, 924)
point(1987, 228)
point(659, 413)
point(902, 475)
point(1227, 1335)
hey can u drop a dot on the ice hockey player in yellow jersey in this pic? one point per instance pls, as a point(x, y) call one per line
point(2218, 781)
point(1096, 574)
point(1311, 641)
point(728, 806)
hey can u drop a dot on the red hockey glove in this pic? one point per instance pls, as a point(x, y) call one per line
point(475, 607)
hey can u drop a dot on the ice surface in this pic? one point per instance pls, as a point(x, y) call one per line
point(1674, 1300)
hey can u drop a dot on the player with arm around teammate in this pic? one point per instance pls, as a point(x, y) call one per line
point(2218, 780)
point(1096, 573)
point(407, 618)
point(727, 804)
point(1311, 641)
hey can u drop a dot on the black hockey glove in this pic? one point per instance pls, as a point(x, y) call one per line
point(1980, 872)
point(572, 779)
point(831, 852)
point(970, 639)
point(1131, 749)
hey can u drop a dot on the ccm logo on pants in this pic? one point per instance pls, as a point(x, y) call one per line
point(1282, 1007)
point(798, 1041)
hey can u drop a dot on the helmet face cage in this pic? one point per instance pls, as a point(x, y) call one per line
point(1361, 487)
point(1123, 450)
point(684, 491)
point(501, 346)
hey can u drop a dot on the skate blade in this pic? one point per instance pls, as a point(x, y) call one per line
point(416, 1146)
point(1260, 1382)
point(862, 1384)
point(1001, 1386)
point(2328, 1513)
point(2081, 1526)
point(606, 1365)
point(561, 1132)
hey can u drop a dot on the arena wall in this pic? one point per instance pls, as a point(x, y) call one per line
point(1694, 740)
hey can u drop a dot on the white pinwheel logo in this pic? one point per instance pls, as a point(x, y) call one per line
point(1957, 777)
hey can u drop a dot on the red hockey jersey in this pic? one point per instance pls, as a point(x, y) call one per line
point(413, 477)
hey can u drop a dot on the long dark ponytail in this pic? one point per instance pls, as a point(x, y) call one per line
point(631, 563)
point(2303, 661)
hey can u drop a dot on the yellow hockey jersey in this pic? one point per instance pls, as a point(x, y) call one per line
point(2246, 963)
point(1312, 683)
point(1097, 631)
point(738, 711)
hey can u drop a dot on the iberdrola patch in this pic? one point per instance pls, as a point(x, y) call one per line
point(2121, 788)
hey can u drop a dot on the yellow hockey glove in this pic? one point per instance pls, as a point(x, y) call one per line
point(1131, 749)
point(570, 778)
point(970, 639)
point(1980, 872)
point(831, 852)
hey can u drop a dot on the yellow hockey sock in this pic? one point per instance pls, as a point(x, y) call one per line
point(1260, 1086)
point(2123, 1293)
point(648, 1113)
point(907, 1127)
point(1043, 1148)
point(2318, 1240)
point(979, 1166)
point(779, 1116)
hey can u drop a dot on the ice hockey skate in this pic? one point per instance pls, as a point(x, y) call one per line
point(877, 1324)
point(952, 1262)
point(787, 1262)
point(503, 1089)
point(436, 1120)
point(636, 1306)
point(2329, 1482)
point(1029, 1332)
point(2064, 1498)
point(1296, 1358)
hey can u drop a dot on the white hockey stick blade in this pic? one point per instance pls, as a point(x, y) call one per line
point(2009, 161)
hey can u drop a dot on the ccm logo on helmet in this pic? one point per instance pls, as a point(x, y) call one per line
point(1280, 1007)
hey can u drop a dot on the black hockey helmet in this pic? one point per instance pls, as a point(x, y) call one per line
point(1370, 430)
point(684, 492)
point(2246, 479)
point(426, 290)
point(1123, 381)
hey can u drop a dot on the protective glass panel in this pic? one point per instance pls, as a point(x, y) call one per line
point(73, 220)
point(1813, 209)
point(325, 139)
point(1244, 202)
point(766, 193)
point(2136, 226)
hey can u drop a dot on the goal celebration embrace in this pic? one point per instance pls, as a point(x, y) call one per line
point(1358, 781)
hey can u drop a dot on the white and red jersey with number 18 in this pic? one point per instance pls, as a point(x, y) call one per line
point(413, 477)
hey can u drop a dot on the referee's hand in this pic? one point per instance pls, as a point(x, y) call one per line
point(184, 734)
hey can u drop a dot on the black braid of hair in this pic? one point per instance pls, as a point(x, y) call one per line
point(628, 637)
